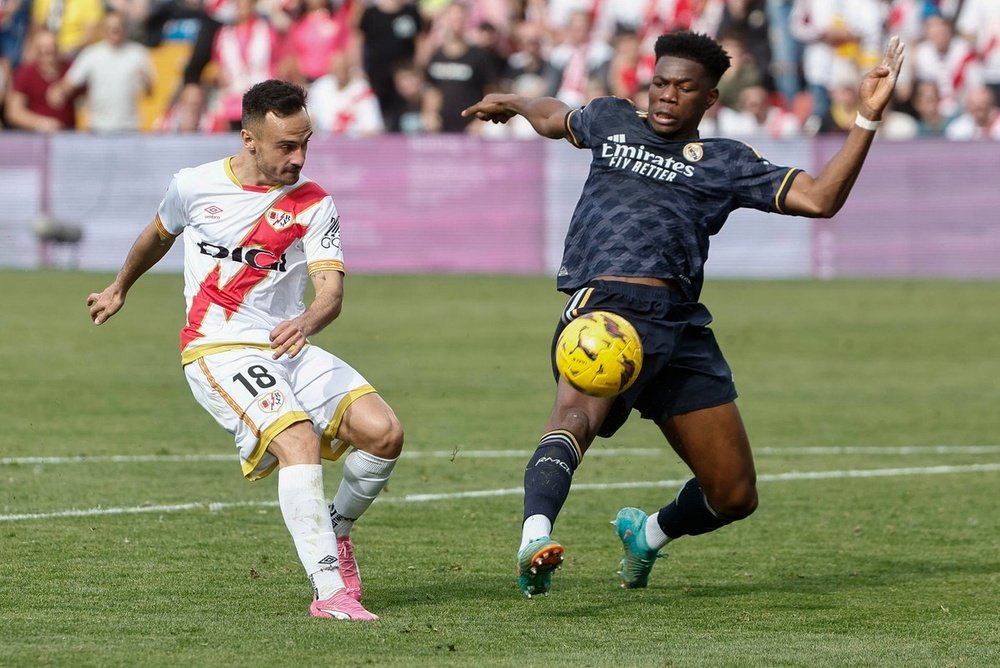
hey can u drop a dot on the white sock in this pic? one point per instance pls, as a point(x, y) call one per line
point(364, 477)
point(534, 527)
point(300, 496)
point(655, 537)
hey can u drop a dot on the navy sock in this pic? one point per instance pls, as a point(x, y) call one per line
point(549, 474)
point(689, 514)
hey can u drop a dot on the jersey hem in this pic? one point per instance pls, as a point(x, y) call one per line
point(329, 438)
point(325, 265)
point(164, 233)
point(196, 353)
point(783, 189)
point(250, 471)
point(569, 130)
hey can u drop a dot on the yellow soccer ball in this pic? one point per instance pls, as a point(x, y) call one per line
point(599, 353)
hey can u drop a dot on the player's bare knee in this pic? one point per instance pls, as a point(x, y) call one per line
point(391, 443)
point(736, 502)
point(385, 439)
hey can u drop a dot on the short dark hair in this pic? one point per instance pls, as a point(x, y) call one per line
point(280, 97)
point(702, 49)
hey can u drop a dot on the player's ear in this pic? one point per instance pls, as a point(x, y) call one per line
point(248, 140)
point(713, 97)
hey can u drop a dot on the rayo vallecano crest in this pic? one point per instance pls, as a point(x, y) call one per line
point(271, 402)
point(694, 151)
point(278, 219)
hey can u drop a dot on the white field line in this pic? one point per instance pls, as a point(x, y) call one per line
point(515, 491)
point(904, 450)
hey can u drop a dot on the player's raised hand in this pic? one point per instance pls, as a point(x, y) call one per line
point(877, 86)
point(494, 107)
point(105, 304)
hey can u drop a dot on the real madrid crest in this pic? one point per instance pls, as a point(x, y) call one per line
point(694, 152)
point(278, 219)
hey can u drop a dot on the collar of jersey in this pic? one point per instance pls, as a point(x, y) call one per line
point(232, 177)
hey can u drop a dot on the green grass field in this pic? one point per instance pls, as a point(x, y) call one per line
point(872, 406)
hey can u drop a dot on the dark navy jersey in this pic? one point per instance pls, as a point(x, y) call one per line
point(650, 204)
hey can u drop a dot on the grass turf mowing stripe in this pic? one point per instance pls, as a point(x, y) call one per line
point(504, 454)
point(448, 496)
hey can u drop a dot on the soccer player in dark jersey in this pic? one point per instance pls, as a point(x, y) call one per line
point(636, 246)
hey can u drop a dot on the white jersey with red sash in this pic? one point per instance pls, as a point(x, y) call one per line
point(248, 252)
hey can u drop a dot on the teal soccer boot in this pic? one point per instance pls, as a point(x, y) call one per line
point(630, 523)
point(535, 563)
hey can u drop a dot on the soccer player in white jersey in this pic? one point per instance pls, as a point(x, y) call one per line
point(254, 229)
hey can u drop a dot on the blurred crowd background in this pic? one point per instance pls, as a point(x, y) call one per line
point(398, 66)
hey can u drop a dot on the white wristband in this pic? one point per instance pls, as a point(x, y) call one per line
point(866, 124)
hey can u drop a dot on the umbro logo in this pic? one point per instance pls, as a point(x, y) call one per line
point(618, 139)
point(213, 211)
point(328, 560)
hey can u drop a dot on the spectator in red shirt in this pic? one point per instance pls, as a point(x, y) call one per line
point(27, 105)
point(314, 38)
point(245, 53)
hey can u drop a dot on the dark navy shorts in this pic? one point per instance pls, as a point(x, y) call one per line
point(683, 368)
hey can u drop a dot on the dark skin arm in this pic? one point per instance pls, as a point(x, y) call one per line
point(818, 197)
point(823, 196)
point(547, 115)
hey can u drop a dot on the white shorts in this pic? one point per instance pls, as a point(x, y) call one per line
point(255, 397)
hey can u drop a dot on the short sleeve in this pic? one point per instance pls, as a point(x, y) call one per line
point(20, 82)
point(322, 238)
point(578, 126)
point(757, 183)
point(171, 216)
point(79, 71)
point(591, 122)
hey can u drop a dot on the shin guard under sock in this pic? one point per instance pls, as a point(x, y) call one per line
point(549, 474)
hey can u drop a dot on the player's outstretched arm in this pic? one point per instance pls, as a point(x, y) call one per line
point(824, 195)
point(547, 115)
point(289, 337)
point(148, 249)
